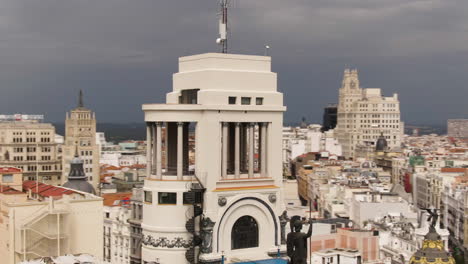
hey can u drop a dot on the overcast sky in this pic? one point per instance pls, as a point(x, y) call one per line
point(122, 53)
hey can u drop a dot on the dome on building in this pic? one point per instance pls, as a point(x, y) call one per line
point(432, 251)
point(77, 179)
point(381, 143)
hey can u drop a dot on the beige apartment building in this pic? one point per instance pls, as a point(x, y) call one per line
point(41, 220)
point(364, 114)
point(30, 145)
point(80, 132)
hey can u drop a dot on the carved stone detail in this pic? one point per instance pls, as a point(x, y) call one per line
point(284, 219)
point(222, 201)
point(164, 242)
point(207, 235)
point(272, 198)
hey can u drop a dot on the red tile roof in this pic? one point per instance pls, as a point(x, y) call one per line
point(8, 190)
point(459, 170)
point(116, 199)
point(45, 189)
point(9, 170)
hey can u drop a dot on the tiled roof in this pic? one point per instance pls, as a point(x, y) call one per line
point(459, 170)
point(9, 170)
point(8, 190)
point(45, 189)
point(116, 199)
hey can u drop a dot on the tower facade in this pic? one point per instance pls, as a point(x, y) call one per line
point(364, 114)
point(228, 202)
point(80, 132)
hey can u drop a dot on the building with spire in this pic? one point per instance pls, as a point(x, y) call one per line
point(77, 179)
point(80, 133)
point(364, 115)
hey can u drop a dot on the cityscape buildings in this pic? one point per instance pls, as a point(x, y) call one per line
point(219, 179)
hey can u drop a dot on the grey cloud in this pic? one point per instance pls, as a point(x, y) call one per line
point(123, 52)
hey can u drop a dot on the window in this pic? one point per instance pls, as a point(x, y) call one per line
point(259, 100)
point(244, 233)
point(232, 100)
point(7, 178)
point(245, 100)
point(197, 198)
point(167, 198)
point(148, 197)
point(107, 214)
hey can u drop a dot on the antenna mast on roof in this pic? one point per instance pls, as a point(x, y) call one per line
point(223, 28)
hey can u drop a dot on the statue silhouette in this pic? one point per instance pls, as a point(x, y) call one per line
point(296, 242)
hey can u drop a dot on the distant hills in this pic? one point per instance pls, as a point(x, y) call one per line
point(116, 132)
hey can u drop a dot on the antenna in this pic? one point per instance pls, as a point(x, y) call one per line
point(222, 40)
point(267, 48)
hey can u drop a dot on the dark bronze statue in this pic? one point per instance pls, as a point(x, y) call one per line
point(433, 217)
point(296, 242)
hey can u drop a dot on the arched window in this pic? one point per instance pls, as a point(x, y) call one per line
point(244, 233)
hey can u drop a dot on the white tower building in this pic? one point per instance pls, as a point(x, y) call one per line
point(229, 206)
point(364, 114)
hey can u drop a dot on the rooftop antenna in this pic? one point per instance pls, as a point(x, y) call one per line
point(222, 39)
point(267, 48)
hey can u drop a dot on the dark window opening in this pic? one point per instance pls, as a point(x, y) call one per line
point(245, 100)
point(244, 233)
point(259, 101)
point(192, 197)
point(148, 197)
point(167, 198)
point(232, 99)
point(189, 96)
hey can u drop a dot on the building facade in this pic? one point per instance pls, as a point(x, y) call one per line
point(364, 114)
point(80, 132)
point(136, 205)
point(234, 191)
point(117, 229)
point(30, 146)
point(41, 220)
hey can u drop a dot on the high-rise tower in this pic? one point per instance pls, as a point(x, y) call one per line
point(80, 131)
point(364, 115)
point(229, 204)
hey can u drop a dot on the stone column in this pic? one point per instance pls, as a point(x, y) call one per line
point(148, 151)
point(251, 129)
point(158, 151)
point(224, 149)
point(180, 150)
point(237, 152)
point(263, 134)
point(155, 153)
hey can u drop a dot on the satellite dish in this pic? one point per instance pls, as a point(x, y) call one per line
point(218, 41)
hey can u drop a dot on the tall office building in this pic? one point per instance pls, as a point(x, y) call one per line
point(229, 205)
point(329, 117)
point(364, 114)
point(28, 144)
point(80, 132)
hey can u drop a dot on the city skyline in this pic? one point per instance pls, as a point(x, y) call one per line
point(122, 55)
